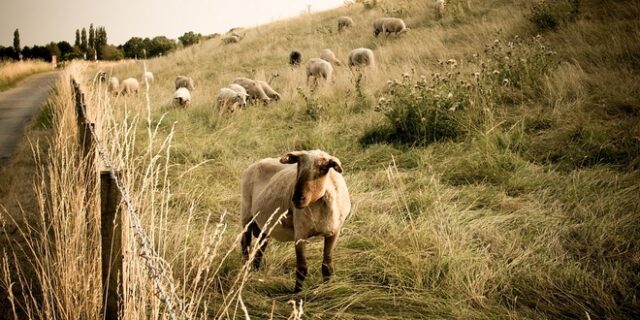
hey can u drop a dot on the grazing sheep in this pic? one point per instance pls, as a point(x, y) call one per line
point(148, 76)
point(344, 22)
point(231, 39)
point(182, 97)
point(393, 25)
point(229, 99)
point(328, 55)
point(308, 188)
point(318, 68)
point(439, 8)
point(129, 86)
point(101, 76)
point(254, 89)
point(184, 82)
point(295, 58)
point(114, 85)
point(361, 57)
point(377, 25)
point(238, 88)
point(272, 94)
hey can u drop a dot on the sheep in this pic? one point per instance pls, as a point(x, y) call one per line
point(129, 86)
point(114, 85)
point(254, 89)
point(361, 57)
point(295, 58)
point(318, 68)
point(101, 75)
point(377, 25)
point(182, 97)
point(184, 82)
point(272, 94)
point(238, 88)
point(328, 55)
point(439, 8)
point(148, 77)
point(344, 22)
point(393, 25)
point(231, 39)
point(229, 99)
point(308, 189)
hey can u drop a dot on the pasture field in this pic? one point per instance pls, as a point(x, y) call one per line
point(491, 155)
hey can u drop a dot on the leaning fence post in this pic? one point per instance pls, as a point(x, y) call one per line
point(112, 254)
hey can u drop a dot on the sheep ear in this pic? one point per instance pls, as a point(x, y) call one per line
point(291, 157)
point(335, 164)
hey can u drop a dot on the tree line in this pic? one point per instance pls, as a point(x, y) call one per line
point(94, 46)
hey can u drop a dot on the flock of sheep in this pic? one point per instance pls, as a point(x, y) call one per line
point(304, 188)
point(244, 90)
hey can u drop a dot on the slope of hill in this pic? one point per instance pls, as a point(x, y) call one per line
point(502, 184)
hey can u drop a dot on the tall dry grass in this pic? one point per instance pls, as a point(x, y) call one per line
point(12, 72)
point(530, 214)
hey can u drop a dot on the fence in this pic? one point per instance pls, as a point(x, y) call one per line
point(114, 197)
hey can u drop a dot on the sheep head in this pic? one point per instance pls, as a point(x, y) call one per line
point(313, 167)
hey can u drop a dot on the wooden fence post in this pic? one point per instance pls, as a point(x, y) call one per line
point(112, 254)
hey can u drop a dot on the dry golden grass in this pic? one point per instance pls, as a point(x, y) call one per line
point(12, 72)
point(531, 214)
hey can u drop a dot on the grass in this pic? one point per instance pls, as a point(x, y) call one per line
point(530, 211)
point(12, 72)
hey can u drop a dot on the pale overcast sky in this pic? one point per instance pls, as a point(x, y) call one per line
point(43, 21)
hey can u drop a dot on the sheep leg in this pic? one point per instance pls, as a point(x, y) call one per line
point(327, 263)
point(301, 265)
point(263, 240)
point(246, 240)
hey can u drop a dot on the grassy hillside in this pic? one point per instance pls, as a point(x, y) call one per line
point(497, 178)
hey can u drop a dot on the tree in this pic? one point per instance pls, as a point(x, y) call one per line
point(77, 43)
point(159, 46)
point(65, 49)
point(92, 36)
point(6, 53)
point(109, 52)
point(53, 49)
point(101, 40)
point(133, 48)
point(83, 40)
point(16, 42)
point(190, 38)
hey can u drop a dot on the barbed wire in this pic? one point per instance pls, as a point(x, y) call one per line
point(153, 262)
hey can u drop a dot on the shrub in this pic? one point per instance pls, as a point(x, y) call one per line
point(452, 104)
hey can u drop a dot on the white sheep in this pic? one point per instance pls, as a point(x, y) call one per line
point(231, 39)
point(439, 8)
point(229, 99)
point(254, 89)
point(377, 25)
point(328, 55)
point(344, 22)
point(184, 82)
point(361, 57)
point(393, 25)
point(272, 94)
point(129, 86)
point(114, 85)
point(308, 188)
point(238, 88)
point(318, 68)
point(182, 97)
point(148, 76)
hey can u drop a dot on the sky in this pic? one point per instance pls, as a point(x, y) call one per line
point(42, 21)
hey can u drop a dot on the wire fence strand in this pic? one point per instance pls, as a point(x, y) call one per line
point(163, 282)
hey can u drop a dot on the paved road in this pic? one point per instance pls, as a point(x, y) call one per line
point(18, 105)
